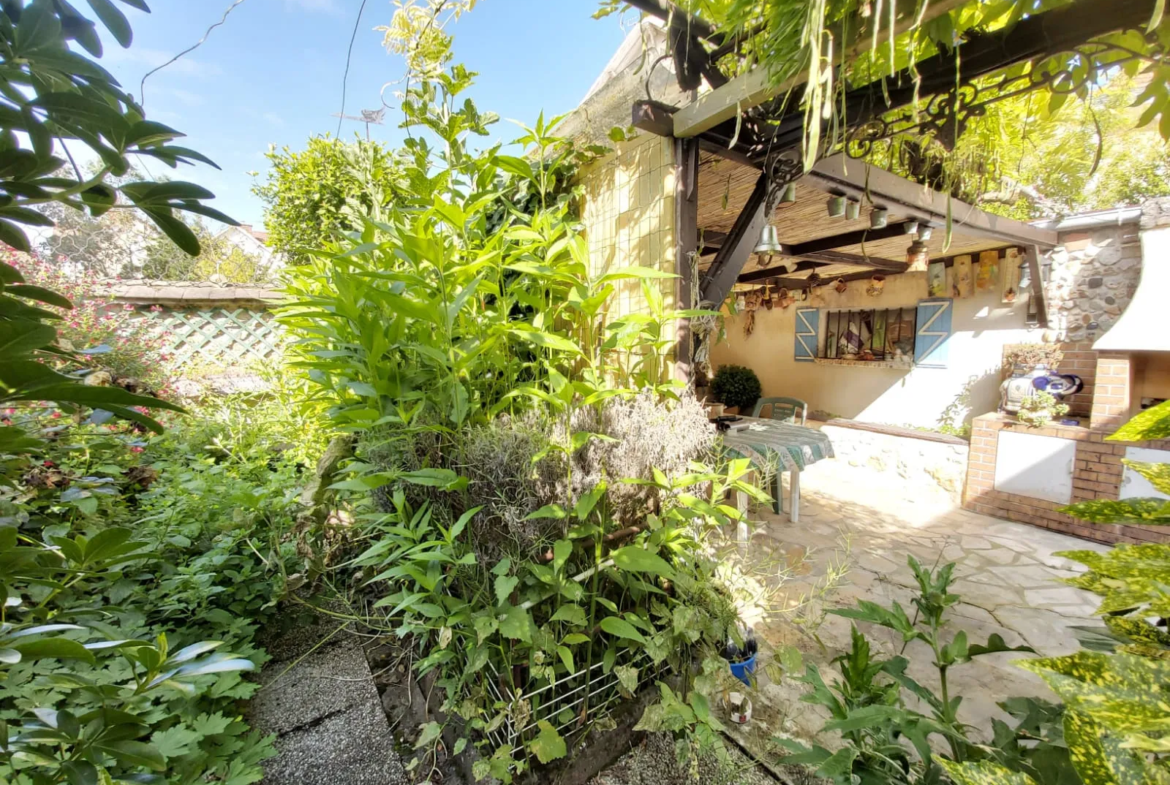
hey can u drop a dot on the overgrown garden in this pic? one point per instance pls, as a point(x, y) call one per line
point(525, 499)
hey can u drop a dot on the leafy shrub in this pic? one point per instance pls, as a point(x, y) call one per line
point(526, 480)
point(1039, 409)
point(735, 385)
point(107, 592)
point(110, 337)
point(211, 504)
point(312, 195)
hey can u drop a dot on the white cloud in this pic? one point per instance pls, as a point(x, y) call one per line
point(274, 118)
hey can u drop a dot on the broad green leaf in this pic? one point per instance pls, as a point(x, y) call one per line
point(52, 648)
point(566, 658)
point(562, 550)
point(135, 753)
point(633, 558)
point(1157, 473)
point(428, 734)
point(1096, 754)
point(175, 742)
point(615, 625)
point(627, 676)
point(1114, 689)
point(504, 586)
point(548, 745)
point(517, 624)
point(1153, 423)
point(572, 614)
point(1155, 512)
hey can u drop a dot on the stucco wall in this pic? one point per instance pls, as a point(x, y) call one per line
point(628, 214)
point(917, 397)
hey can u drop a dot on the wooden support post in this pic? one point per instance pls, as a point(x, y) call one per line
point(686, 247)
point(736, 249)
point(1032, 254)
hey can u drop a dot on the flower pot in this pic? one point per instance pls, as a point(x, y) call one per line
point(730, 410)
point(744, 670)
point(836, 206)
point(852, 209)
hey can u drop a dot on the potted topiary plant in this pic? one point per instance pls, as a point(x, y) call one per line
point(737, 388)
point(1039, 409)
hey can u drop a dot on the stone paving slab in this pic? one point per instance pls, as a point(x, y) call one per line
point(324, 707)
point(1008, 576)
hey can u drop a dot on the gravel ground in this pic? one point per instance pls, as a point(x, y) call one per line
point(654, 763)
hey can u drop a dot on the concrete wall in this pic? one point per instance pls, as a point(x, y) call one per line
point(917, 397)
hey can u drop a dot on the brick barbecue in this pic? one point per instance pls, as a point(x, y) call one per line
point(1124, 370)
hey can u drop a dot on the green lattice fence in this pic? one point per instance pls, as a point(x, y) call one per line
point(218, 336)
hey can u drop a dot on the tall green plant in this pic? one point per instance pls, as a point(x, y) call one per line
point(469, 300)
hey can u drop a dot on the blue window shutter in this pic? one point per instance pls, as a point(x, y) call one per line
point(933, 334)
point(807, 324)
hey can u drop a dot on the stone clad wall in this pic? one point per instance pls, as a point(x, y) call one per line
point(1094, 275)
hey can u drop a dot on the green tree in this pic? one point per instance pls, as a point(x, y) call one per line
point(1033, 161)
point(312, 194)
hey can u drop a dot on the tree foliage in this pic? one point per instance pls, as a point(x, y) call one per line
point(56, 97)
point(313, 194)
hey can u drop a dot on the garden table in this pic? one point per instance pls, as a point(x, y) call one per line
point(769, 444)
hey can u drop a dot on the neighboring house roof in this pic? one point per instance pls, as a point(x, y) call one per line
point(252, 241)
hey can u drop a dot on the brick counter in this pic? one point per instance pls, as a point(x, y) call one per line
point(1096, 475)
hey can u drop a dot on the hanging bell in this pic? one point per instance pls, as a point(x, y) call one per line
point(769, 241)
point(917, 257)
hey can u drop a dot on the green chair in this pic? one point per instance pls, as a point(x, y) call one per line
point(783, 409)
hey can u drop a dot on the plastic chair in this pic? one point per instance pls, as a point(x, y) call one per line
point(783, 409)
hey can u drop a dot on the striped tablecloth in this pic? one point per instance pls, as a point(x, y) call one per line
point(795, 446)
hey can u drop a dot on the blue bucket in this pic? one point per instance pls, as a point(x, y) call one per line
point(744, 670)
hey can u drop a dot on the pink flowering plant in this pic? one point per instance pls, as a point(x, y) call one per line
point(109, 336)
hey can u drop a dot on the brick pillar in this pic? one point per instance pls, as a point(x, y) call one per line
point(1114, 384)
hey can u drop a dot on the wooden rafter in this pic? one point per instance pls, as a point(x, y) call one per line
point(737, 247)
point(686, 230)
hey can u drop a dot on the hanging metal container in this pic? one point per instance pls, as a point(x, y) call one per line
point(852, 209)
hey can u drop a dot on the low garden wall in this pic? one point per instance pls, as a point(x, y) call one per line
point(1028, 474)
point(914, 456)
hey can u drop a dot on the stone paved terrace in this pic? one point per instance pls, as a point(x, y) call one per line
point(1007, 575)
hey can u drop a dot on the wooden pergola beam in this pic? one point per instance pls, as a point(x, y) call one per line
point(865, 181)
point(1032, 257)
point(686, 232)
point(757, 86)
point(846, 239)
point(737, 247)
point(887, 266)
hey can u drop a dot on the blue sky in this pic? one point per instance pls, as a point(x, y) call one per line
point(273, 73)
